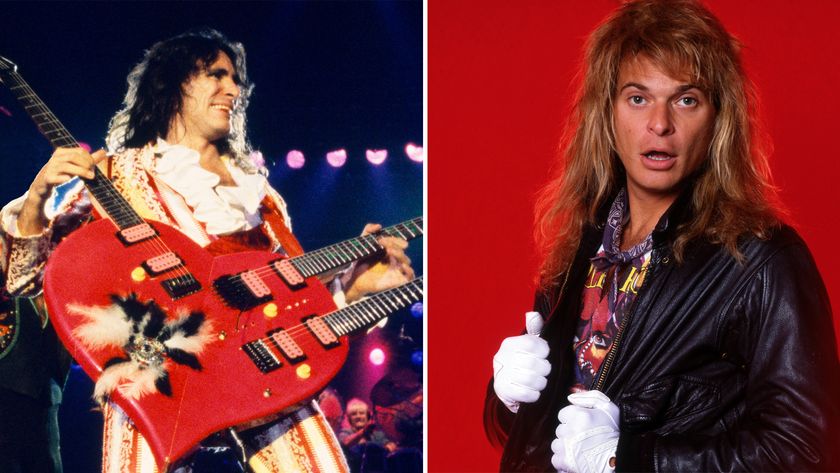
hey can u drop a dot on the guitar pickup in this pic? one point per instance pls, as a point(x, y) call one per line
point(136, 234)
point(242, 291)
point(287, 346)
point(181, 286)
point(322, 332)
point(161, 263)
point(262, 357)
point(288, 273)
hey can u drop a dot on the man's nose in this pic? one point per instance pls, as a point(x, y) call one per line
point(660, 120)
point(231, 88)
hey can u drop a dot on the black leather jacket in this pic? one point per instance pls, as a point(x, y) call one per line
point(722, 367)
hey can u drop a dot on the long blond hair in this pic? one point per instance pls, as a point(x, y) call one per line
point(732, 193)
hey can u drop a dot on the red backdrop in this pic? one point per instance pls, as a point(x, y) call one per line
point(500, 81)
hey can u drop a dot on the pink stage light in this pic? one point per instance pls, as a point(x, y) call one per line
point(377, 356)
point(415, 153)
point(84, 146)
point(295, 159)
point(376, 156)
point(337, 158)
point(5, 111)
point(257, 158)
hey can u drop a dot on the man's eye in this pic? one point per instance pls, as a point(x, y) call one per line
point(688, 101)
point(637, 100)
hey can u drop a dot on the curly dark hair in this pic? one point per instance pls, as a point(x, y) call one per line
point(155, 91)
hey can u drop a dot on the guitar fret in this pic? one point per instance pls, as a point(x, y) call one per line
point(307, 268)
point(374, 308)
point(344, 252)
point(334, 262)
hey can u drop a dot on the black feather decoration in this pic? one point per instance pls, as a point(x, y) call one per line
point(184, 358)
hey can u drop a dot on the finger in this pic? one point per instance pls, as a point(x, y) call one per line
point(397, 255)
point(99, 156)
point(57, 179)
point(533, 323)
point(527, 380)
point(371, 228)
point(71, 169)
point(589, 399)
point(536, 346)
point(393, 242)
point(528, 361)
point(575, 416)
point(559, 460)
point(519, 393)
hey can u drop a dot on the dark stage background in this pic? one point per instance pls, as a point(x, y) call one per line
point(500, 83)
point(328, 75)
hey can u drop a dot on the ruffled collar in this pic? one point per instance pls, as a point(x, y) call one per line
point(221, 209)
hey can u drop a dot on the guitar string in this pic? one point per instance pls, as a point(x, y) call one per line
point(111, 196)
point(152, 245)
point(341, 315)
point(396, 296)
point(312, 260)
point(326, 257)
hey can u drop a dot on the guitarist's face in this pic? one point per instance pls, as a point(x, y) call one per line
point(209, 98)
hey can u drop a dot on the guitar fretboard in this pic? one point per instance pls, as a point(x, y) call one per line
point(368, 311)
point(339, 254)
point(53, 130)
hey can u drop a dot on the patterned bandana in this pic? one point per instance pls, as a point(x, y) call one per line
point(617, 218)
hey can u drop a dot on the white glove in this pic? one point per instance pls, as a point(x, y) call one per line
point(520, 366)
point(587, 436)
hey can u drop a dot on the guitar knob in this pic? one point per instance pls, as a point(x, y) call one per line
point(138, 274)
point(270, 310)
point(304, 371)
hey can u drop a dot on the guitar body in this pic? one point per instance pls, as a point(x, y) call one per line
point(92, 267)
point(185, 343)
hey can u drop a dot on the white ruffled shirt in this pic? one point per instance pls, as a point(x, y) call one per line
point(221, 209)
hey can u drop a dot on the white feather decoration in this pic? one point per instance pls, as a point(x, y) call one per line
point(145, 359)
point(105, 326)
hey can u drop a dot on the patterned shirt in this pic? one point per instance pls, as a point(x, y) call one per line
point(611, 286)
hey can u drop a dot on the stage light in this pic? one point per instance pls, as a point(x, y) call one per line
point(85, 146)
point(295, 159)
point(257, 158)
point(415, 153)
point(337, 158)
point(417, 310)
point(376, 156)
point(417, 358)
point(5, 111)
point(377, 356)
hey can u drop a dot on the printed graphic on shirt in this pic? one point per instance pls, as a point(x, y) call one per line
point(607, 297)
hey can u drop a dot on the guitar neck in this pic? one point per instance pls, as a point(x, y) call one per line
point(337, 255)
point(368, 311)
point(117, 208)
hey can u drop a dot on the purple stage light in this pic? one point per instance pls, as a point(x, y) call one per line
point(257, 158)
point(5, 111)
point(85, 146)
point(415, 153)
point(377, 356)
point(337, 158)
point(417, 358)
point(417, 310)
point(295, 159)
point(376, 156)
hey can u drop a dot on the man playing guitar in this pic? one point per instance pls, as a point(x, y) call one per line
point(178, 153)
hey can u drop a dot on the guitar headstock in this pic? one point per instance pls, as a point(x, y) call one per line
point(6, 67)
